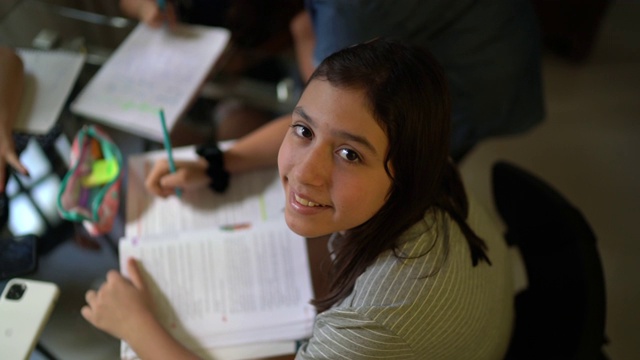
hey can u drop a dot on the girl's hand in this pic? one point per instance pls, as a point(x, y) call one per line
point(190, 175)
point(120, 307)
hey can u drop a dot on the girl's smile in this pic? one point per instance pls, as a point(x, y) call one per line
point(305, 202)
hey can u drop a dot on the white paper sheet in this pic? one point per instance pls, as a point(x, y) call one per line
point(49, 78)
point(151, 69)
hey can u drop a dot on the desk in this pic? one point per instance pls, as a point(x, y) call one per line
point(73, 268)
point(98, 35)
point(96, 30)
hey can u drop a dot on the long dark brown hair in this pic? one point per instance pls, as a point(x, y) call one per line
point(407, 94)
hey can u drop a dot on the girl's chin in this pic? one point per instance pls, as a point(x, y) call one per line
point(306, 231)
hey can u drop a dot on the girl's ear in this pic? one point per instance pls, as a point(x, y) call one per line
point(390, 170)
point(391, 173)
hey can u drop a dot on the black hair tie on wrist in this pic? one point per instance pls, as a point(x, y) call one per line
point(215, 168)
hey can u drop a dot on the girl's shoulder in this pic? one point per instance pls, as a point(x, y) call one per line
point(432, 277)
point(433, 255)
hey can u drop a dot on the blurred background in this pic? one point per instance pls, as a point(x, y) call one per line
point(587, 148)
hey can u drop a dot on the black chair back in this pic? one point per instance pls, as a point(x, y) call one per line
point(561, 315)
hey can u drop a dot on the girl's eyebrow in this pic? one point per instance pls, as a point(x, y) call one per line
point(338, 133)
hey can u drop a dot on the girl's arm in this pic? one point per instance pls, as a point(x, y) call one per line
point(259, 149)
point(124, 309)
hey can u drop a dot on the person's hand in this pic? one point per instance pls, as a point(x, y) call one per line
point(9, 157)
point(148, 12)
point(190, 175)
point(154, 17)
point(120, 306)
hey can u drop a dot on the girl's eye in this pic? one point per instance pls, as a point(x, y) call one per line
point(302, 131)
point(349, 155)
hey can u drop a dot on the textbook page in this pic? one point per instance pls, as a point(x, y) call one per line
point(49, 77)
point(256, 196)
point(238, 352)
point(216, 288)
point(151, 69)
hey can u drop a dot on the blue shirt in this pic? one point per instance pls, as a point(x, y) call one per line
point(490, 51)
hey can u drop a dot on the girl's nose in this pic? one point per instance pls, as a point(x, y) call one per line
point(314, 167)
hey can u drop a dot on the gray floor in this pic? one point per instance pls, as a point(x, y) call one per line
point(586, 149)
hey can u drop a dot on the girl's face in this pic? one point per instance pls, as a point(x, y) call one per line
point(331, 162)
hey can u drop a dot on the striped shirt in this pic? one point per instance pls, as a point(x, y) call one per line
point(436, 306)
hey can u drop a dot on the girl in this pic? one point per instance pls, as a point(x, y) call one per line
point(419, 271)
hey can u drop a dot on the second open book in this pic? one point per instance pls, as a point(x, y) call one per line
point(230, 280)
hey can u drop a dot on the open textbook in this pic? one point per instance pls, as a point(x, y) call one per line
point(151, 69)
point(233, 280)
point(221, 287)
point(252, 197)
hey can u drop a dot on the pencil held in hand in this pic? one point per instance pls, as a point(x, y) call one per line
point(167, 146)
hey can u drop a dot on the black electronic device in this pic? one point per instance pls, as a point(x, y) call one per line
point(4, 209)
point(18, 256)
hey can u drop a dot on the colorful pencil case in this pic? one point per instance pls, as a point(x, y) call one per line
point(90, 191)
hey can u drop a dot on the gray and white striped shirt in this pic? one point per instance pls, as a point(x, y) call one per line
point(436, 306)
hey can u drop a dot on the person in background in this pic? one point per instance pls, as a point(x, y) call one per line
point(258, 48)
point(11, 87)
point(490, 51)
point(148, 12)
point(254, 24)
point(419, 270)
